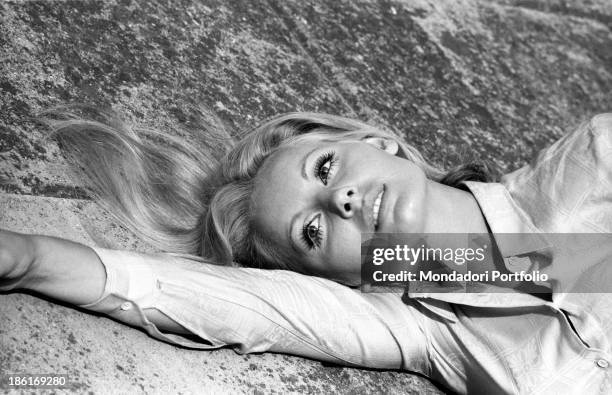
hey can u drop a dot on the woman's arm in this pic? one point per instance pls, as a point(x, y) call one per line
point(61, 269)
point(58, 268)
point(251, 310)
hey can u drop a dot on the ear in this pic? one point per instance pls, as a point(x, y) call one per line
point(388, 145)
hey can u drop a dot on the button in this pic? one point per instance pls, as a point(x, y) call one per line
point(602, 363)
point(126, 306)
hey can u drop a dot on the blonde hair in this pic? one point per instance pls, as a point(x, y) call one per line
point(184, 198)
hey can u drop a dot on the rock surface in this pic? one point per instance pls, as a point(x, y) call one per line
point(461, 80)
point(104, 356)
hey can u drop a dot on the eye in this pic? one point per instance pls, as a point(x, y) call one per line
point(324, 166)
point(312, 233)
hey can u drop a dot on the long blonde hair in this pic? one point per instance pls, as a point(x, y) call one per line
point(195, 199)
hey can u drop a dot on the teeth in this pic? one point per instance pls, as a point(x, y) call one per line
point(376, 208)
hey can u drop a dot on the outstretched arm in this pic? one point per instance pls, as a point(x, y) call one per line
point(251, 310)
point(60, 269)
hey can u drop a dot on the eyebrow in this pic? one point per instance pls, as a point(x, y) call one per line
point(304, 162)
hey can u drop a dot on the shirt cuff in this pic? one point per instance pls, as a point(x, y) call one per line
point(128, 275)
point(131, 286)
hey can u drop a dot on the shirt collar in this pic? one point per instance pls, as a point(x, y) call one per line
point(512, 229)
point(514, 234)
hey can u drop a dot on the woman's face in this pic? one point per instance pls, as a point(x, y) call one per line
point(315, 199)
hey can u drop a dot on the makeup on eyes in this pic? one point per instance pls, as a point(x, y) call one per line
point(312, 231)
point(322, 169)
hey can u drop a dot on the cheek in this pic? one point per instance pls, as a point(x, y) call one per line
point(410, 210)
point(345, 249)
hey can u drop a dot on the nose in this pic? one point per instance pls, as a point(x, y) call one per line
point(345, 201)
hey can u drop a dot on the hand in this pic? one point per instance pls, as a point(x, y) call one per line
point(17, 255)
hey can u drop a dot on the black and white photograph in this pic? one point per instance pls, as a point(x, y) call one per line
point(306, 197)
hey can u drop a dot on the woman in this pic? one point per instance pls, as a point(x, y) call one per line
point(297, 193)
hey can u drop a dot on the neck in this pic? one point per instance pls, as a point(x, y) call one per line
point(452, 210)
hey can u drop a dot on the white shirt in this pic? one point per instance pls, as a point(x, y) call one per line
point(476, 343)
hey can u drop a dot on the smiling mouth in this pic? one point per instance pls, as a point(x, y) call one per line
point(376, 208)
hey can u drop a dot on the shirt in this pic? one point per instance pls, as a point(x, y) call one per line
point(485, 342)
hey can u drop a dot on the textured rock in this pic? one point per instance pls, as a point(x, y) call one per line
point(461, 80)
point(103, 356)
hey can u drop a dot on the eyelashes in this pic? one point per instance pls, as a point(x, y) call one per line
point(324, 165)
point(312, 232)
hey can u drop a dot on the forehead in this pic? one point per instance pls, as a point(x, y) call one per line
point(284, 156)
point(288, 159)
point(278, 188)
point(281, 193)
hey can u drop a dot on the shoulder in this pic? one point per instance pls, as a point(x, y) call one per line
point(567, 179)
point(602, 123)
point(587, 144)
point(593, 148)
point(601, 127)
point(587, 147)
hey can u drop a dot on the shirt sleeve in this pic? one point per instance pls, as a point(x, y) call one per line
point(255, 310)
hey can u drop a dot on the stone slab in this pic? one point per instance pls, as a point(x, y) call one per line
point(461, 80)
point(102, 356)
